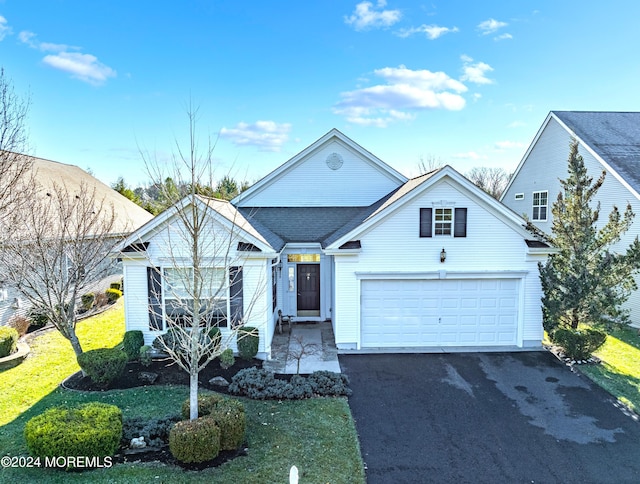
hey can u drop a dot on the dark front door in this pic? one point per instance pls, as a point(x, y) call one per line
point(308, 289)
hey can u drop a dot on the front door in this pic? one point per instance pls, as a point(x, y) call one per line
point(308, 289)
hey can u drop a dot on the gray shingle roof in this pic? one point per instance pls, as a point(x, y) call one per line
point(614, 136)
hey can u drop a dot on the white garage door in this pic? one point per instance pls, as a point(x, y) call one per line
point(447, 312)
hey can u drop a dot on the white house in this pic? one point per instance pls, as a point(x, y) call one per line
point(335, 234)
point(608, 141)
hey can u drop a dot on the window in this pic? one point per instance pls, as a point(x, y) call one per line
point(179, 289)
point(540, 204)
point(443, 222)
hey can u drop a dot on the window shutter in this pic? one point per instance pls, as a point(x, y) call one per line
point(425, 222)
point(235, 295)
point(154, 291)
point(460, 228)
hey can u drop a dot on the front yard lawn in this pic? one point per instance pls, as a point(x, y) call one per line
point(619, 372)
point(317, 435)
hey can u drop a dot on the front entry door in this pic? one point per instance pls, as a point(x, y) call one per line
point(308, 289)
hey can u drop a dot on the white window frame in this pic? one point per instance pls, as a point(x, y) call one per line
point(535, 214)
point(443, 222)
point(168, 292)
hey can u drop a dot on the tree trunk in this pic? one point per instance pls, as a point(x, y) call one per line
point(574, 318)
point(193, 394)
point(75, 343)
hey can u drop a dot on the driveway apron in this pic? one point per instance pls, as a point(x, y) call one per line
point(492, 417)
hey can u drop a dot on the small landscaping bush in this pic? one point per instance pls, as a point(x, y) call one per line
point(103, 365)
point(8, 341)
point(261, 384)
point(227, 360)
point(116, 285)
point(145, 355)
point(196, 440)
point(154, 430)
point(132, 341)
point(113, 294)
point(87, 300)
point(20, 324)
point(248, 340)
point(101, 300)
point(167, 340)
point(92, 429)
point(579, 344)
point(38, 317)
point(227, 413)
point(216, 337)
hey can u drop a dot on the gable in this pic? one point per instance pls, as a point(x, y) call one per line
point(333, 172)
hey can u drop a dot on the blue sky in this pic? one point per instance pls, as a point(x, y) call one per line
point(466, 82)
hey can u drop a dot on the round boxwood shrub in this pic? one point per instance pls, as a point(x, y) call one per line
point(87, 300)
point(113, 294)
point(91, 429)
point(579, 344)
point(227, 360)
point(206, 403)
point(103, 365)
point(38, 317)
point(248, 340)
point(132, 342)
point(197, 440)
point(229, 416)
point(8, 340)
point(145, 355)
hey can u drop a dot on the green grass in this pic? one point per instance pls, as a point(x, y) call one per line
point(316, 435)
point(619, 372)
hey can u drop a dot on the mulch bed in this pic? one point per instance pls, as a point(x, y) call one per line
point(168, 374)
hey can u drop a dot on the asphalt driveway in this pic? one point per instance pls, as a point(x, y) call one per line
point(492, 417)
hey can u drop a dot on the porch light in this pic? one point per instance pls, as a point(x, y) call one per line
point(443, 255)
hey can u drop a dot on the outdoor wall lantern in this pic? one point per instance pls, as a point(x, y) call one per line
point(443, 255)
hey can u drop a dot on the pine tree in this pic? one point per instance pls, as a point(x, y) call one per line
point(587, 281)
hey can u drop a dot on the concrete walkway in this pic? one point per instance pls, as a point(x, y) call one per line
point(313, 344)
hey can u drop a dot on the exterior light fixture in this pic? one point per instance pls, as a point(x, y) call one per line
point(443, 255)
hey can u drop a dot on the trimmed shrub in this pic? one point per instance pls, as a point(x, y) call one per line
point(579, 344)
point(216, 336)
point(195, 440)
point(229, 416)
point(87, 300)
point(92, 429)
point(8, 341)
point(116, 285)
point(103, 365)
point(248, 339)
point(145, 355)
point(227, 360)
point(261, 384)
point(167, 340)
point(206, 403)
point(113, 294)
point(38, 317)
point(20, 324)
point(132, 342)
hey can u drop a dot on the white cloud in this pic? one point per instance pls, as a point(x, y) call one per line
point(365, 16)
point(4, 28)
point(432, 32)
point(470, 155)
point(404, 90)
point(85, 67)
point(31, 40)
point(506, 145)
point(490, 26)
point(266, 135)
point(475, 73)
point(503, 37)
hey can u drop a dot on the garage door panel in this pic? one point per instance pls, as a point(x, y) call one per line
point(465, 312)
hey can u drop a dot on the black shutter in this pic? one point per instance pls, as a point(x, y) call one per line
point(460, 229)
point(154, 291)
point(235, 296)
point(425, 222)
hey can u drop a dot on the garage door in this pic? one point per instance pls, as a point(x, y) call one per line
point(447, 312)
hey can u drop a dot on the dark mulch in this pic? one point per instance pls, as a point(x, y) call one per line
point(168, 374)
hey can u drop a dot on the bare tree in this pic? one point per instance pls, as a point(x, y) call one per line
point(201, 269)
point(301, 349)
point(15, 164)
point(491, 180)
point(59, 246)
point(429, 164)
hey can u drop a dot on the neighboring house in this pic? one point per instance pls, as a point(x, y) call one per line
point(608, 141)
point(129, 216)
point(336, 234)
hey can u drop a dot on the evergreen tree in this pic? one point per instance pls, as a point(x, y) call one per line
point(587, 281)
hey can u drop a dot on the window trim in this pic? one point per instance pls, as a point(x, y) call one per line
point(450, 223)
point(538, 206)
point(458, 222)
